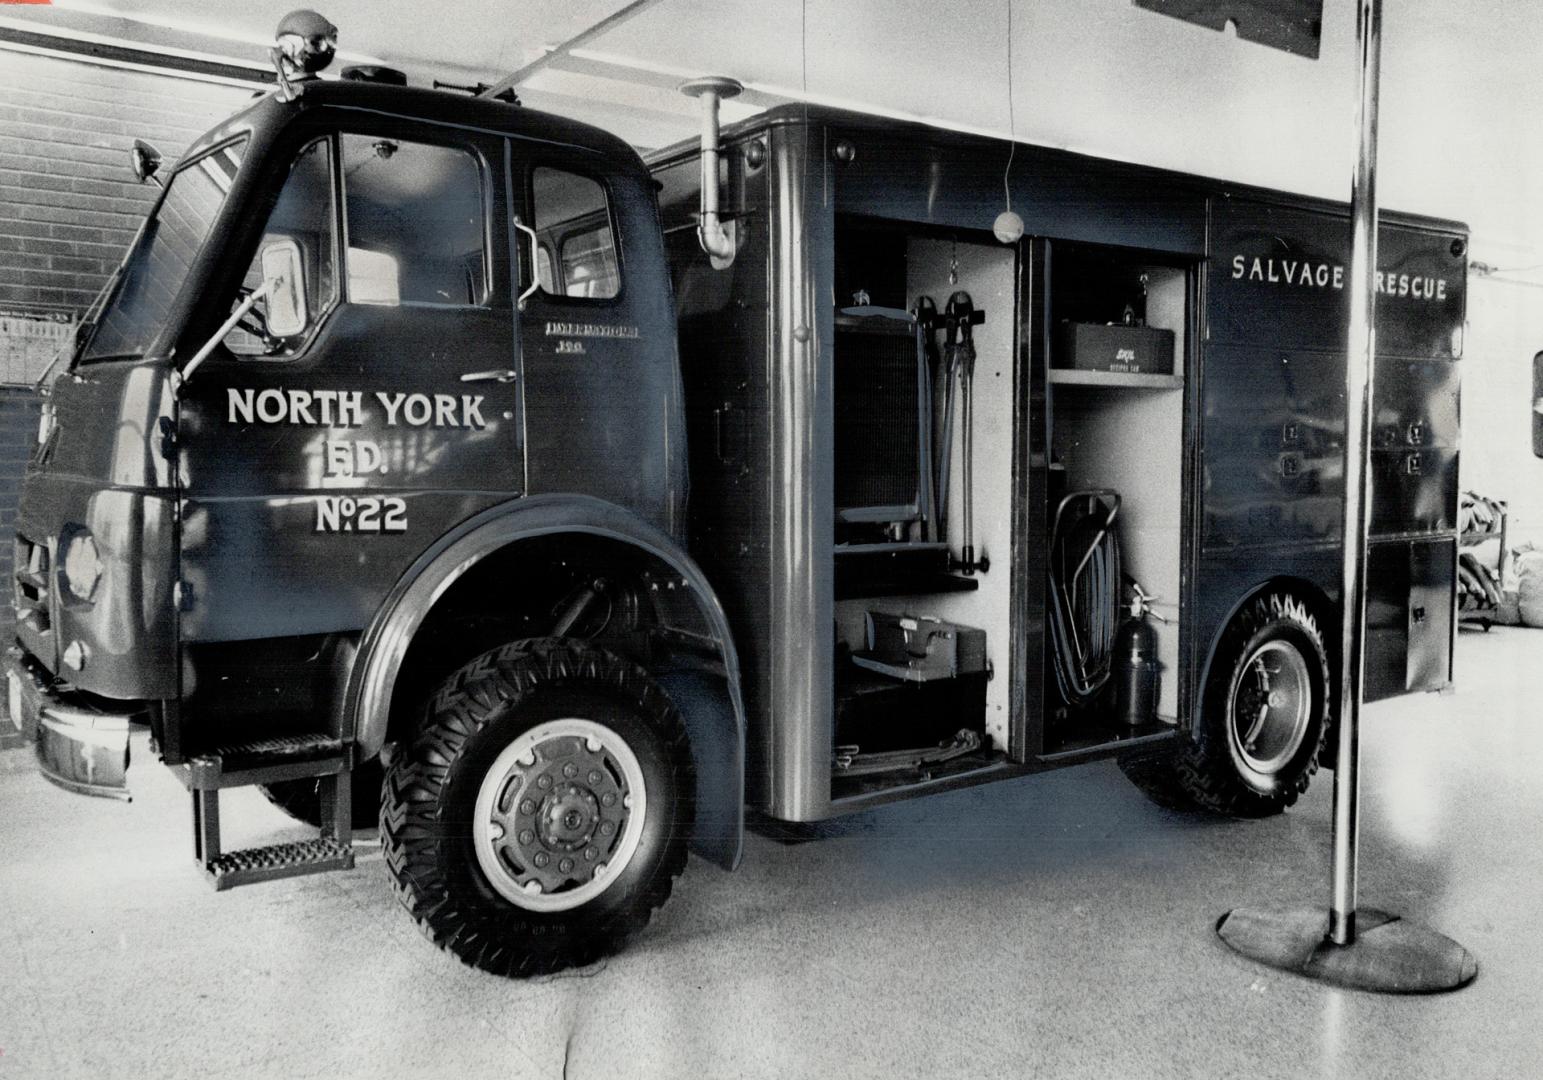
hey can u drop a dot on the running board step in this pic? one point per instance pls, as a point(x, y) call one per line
point(296, 757)
point(251, 865)
point(265, 761)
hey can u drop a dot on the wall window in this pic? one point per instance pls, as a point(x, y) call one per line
point(416, 227)
point(574, 220)
point(303, 215)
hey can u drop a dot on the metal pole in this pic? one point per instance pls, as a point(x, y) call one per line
point(1359, 368)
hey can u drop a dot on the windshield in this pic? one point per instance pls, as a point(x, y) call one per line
point(159, 264)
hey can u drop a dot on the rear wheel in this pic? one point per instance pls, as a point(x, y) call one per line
point(544, 809)
point(1264, 719)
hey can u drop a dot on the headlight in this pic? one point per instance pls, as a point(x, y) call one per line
point(45, 424)
point(81, 567)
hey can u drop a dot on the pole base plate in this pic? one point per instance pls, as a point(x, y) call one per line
point(1389, 955)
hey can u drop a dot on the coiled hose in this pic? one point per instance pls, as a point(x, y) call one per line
point(1084, 592)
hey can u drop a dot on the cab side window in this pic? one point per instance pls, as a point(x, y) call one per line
point(573, 220)
point(302, 217)
point(416, 223)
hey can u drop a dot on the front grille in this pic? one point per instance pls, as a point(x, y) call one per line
point(31, 593)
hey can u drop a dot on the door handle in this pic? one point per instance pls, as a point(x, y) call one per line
point(535, 253)
point(502, 375)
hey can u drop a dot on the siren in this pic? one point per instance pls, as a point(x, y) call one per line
point(304, 45)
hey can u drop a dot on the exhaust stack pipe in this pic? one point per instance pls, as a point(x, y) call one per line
point(717, 237)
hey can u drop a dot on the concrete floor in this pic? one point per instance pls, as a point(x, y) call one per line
point(1052, 926)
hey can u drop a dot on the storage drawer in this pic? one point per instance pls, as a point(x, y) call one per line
point(1409, 616)
point(1413, 491)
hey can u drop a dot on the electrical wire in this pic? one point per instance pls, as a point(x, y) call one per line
point(1012, 125)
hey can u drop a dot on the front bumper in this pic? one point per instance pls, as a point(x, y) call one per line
point(82, 743)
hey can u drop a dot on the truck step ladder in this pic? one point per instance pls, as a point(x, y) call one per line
point(264, 762)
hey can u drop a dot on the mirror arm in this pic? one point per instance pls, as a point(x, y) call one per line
point(180, 378)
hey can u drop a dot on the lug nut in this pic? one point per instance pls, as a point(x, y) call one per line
point(542, 858)
point(570, 770)
point(526, 836)
point(591, 853)
point(544, 781)
point(594, 776)
point(607, 828)
point(566, 866)
point(609, 799)
point(527, 807)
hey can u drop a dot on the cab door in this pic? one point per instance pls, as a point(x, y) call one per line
point(597, 331)
point(320, 455)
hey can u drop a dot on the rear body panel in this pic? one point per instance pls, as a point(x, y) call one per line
point(1263, 428)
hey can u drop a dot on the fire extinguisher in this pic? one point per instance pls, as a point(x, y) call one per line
point(1136, 668)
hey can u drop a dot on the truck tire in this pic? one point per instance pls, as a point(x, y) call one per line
point(1263, 722)
point(301, 799)
point(542, 811)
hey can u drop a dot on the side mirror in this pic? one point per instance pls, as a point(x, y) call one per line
point(1537, 405)
point(146, 161)
point(284, 288)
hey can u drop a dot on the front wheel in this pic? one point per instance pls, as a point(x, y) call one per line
point(544, 809)
point(1264, 719)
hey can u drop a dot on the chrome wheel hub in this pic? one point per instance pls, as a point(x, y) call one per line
point(559, 814)
point(1271, 707)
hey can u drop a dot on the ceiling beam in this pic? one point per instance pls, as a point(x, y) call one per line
point(579, 40)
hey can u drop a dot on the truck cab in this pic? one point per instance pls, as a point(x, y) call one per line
point(388, 378)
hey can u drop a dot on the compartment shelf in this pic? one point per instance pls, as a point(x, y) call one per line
point(857, 588)
point(1128, 380)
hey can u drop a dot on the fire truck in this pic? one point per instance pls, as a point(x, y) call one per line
point(436, 460)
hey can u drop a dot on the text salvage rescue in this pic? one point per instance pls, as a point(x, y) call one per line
point(1322, 275)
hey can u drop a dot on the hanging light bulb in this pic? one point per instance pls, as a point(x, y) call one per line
point(1008, 227)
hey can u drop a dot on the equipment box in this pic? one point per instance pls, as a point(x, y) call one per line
point(1134, 350)
point(919, 648)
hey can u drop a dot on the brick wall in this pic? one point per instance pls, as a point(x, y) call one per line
point(69, 205)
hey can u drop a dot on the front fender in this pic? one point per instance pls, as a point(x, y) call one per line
point(717, 739)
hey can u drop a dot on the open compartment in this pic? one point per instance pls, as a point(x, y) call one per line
point(1118, 318)
point(921, 585)
point(1119, 432)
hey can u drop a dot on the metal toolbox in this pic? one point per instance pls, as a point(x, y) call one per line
point(919, 648)
point(1135, 350)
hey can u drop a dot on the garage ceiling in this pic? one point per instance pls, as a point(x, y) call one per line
point(1460, 105)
